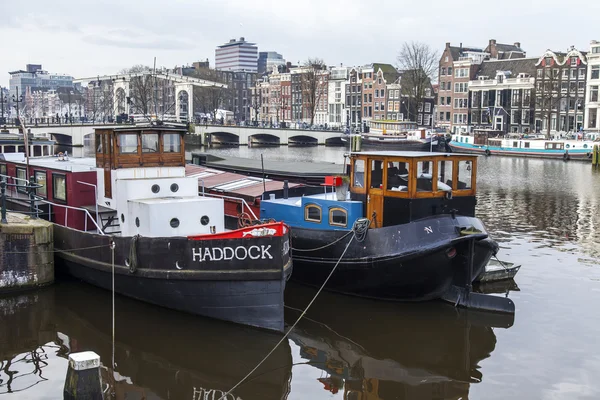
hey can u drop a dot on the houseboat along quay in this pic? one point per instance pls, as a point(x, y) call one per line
point(542, 213)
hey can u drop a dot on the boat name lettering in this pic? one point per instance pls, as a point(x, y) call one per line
point(428, 230)
point(229, 253)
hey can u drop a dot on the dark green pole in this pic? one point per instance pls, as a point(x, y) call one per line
point(3, 194)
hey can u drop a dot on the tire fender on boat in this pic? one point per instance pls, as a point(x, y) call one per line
point(589, 154)
point(488, 152)
point(566, 156)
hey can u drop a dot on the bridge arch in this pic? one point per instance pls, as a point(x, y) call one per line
point(334, 141)
point(222, 139)
point(264, 139)
point(303, 140)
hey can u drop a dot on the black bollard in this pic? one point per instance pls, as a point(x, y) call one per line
point(286, 188)
point(3, 194)
point(83, 377)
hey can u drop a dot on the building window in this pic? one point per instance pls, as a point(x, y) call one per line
point(312, 213)
point(443, 70)
point(593, 115)
point(595, 50)
point(376, 93)
point(593, 93)
point(449, 70)
point(338, 217)
point(382, 92)
point(40, 179)
point(420, 119)
point(21, 180)
point(128, 143)
point(59, 187)
point(171, 143)
point(427, 107)
point(595, 72)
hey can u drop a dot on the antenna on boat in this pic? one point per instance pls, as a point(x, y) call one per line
point(262, 162)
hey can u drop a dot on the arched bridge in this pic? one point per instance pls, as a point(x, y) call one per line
point(212, 135)
point(79, 136)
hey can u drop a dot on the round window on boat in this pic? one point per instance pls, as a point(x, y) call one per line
point(204, 220)
point(122, 218)
point(174, 187)
point(174, 222)
point(137, 222)
point(155, 188)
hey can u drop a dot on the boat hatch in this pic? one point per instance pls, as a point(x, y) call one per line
point(239, 184)
point(397, 187)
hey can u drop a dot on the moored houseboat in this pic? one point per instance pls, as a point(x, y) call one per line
point(491, 142)
point(171, 247)
point(397, 135)
point(423, 240)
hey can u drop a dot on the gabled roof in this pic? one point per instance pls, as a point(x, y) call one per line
point(457, 52)
point(508, 47)
point(390, 73)
point(516, 66)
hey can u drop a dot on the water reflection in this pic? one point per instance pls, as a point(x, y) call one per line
point(160, 354)
point(555, 202)
point(376, 350)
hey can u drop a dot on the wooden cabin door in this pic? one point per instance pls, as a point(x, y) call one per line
point(107, 164)
point(375, 192)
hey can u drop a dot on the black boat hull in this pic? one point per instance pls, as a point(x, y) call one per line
point(418, 261)
point(169, 273)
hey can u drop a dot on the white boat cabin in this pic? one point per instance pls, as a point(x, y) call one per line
point(141, 179)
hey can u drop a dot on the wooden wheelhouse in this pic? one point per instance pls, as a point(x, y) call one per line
point(399, 187)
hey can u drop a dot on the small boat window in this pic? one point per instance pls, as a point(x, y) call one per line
point(338, 217)
point(359, 173)
point(312, 213)
point(22, 180)
point(554, 146)
point(445, 175)
point(424, 176)
point(465, 175)
point(171, 143)
point(515, 144)
point(40, 179)
point(376, 174)
point(526, 145)
point(59, 187)
point(150, 143)
point(128, 143)
point(397, 176)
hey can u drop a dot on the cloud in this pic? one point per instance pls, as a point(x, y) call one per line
point(143, 43)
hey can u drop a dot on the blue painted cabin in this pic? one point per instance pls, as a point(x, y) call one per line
point(313, 211)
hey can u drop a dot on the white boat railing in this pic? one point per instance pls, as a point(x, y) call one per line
point(66, 224)
point(242, 202)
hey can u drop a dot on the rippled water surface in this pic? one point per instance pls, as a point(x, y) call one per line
point(545, 216)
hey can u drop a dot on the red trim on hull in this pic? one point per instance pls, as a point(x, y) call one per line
point(271, 229)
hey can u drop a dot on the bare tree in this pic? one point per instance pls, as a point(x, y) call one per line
point(418, 64)
point(141, 90)
point(209, 99)
point(548, 95)
point(313, 80)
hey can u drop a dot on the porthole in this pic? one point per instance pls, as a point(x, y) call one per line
point(137, 222)
point(204, 220)
point(122, 218)
point(155, 188)
point(174, 222)
point(174, 187)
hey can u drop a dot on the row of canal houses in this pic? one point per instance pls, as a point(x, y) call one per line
point(500, 88)
point(344, 96)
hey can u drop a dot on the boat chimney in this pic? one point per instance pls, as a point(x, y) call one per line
point(285, 189)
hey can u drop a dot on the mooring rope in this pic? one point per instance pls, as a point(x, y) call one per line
point(360, 227)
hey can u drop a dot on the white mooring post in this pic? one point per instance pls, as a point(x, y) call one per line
point(83, 377)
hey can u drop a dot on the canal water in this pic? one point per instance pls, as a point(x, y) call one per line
point(545, 214)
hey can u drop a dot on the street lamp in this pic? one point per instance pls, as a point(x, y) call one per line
point(17, 100)
point(2, 101)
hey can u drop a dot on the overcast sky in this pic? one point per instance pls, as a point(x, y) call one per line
point(85, 38)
